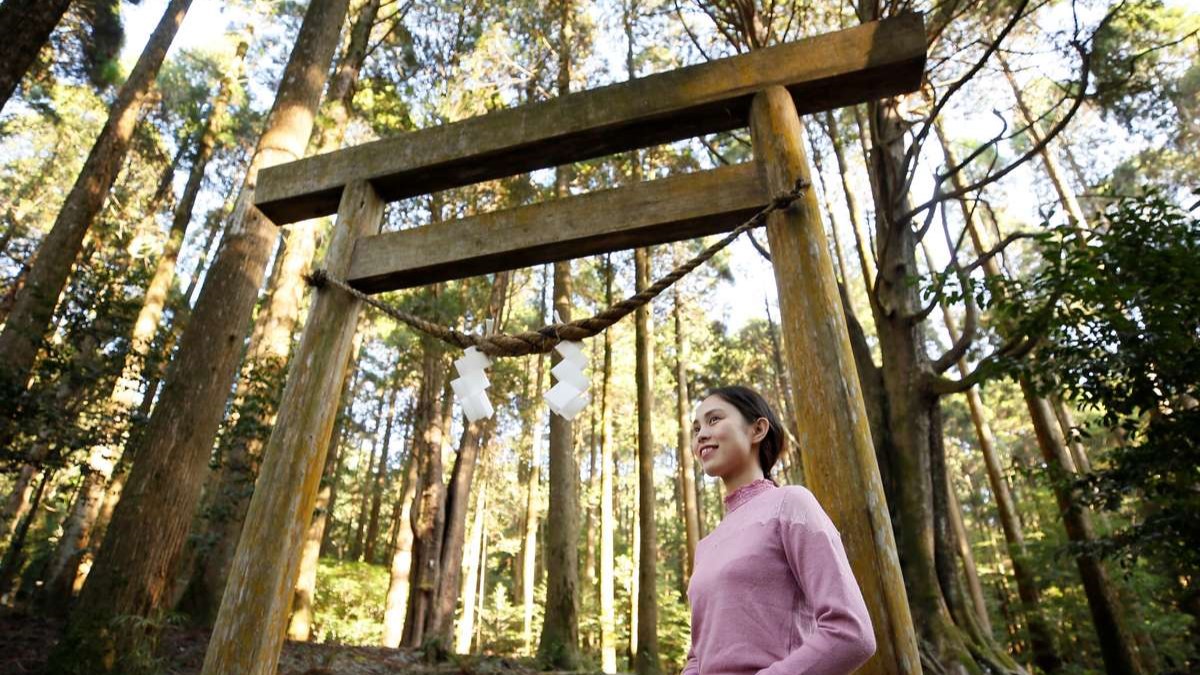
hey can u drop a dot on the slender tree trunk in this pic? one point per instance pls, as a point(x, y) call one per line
point(1045, 656)
point(132, 570)
point(608, 621)
point(1117, 643)
point(26, 25)
point(13, 555)
point(396, 603)
point(1054, 171)
point(647, 662)
point(559, 642)
point(968, 561)
point(471, 580)
point(475, 439)
point(429, 511)
point(30, 318)
point(687, 470)
point(857, 220)
point(558, 645)
point(377, 484)
point(364, 497)
point(529, 547)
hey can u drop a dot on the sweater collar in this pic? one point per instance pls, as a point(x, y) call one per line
point(747, 492)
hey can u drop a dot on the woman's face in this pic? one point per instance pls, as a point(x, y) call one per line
point(723, 442)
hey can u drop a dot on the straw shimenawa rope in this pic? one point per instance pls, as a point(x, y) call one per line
point(545, 338)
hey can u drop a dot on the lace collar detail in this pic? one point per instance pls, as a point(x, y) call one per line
point(746, 493)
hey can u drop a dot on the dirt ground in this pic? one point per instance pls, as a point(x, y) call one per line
point(26, 640)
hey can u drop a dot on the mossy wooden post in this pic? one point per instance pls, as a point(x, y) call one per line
point(839, 458)
point(250, 626)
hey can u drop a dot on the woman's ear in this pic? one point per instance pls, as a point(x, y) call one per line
point(760, 428)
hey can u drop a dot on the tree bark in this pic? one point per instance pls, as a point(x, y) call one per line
point(1117, 643)
point(127, 393)
point(558, 645)
point(1066, 195)
point(29, 320)
point(377, 483)
point(608, 626)
point(133, 568)
point(529, 547)
point(471, 585)
point(26, 25)
point(475, 439)
point(396, 603)
point(647, 661)
point(429, 511)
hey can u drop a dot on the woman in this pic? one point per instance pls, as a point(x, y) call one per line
point(771, 591)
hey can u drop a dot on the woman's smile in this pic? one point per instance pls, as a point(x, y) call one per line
point(706, 450)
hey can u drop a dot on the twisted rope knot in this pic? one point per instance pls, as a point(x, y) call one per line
point(545, 338)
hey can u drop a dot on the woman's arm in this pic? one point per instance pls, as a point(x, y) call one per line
point(842, 638)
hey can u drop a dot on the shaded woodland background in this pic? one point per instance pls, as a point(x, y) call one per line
point(1018, 250)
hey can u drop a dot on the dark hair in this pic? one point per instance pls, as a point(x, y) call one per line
point(752, 406)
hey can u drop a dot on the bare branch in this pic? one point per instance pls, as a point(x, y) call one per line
point(759, 247)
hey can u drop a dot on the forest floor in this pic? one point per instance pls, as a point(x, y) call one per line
point(26, 641)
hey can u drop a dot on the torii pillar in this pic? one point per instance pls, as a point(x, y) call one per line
point(831, 417)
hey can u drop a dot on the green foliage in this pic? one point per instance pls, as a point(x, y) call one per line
point(349, 603)
point(1118, 312)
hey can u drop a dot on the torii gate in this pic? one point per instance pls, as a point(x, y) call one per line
point(766, 90)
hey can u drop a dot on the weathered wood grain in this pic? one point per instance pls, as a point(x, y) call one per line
point(250, 626)
point(869, 61)
point(831, 416)
point(642, 214)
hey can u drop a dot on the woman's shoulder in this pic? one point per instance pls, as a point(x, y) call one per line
point(798, 505)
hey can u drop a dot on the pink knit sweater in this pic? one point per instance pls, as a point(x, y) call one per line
point(772, 592)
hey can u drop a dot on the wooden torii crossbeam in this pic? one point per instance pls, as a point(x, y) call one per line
point(766, 90)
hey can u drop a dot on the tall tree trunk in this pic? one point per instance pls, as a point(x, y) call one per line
point(1118, 645)
point(266, 361)
point(364, 496)
point(30, 318)
point(475, 439)
point(13, 555)
point(26, 25)
point(558, 646)
point(924, 537)
point(857, 220)
point(300, 624)
point(429, 511)
point(1041, 639)
point(1058, 178)
point(127, 394)
point(133, 568)
point(471, 580)
point(377, 484)
point(608, 619)
point(647, 661)
point(687, 472)
point(967, 558)
point(396, 602)
point(529, 529)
